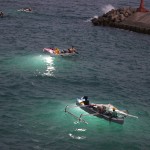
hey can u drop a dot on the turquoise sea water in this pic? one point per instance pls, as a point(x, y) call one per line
point(112, 67)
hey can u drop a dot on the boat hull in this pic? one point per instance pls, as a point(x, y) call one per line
point(51, 52)
point(93, 110)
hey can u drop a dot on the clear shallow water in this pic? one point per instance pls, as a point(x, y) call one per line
point(112, 67)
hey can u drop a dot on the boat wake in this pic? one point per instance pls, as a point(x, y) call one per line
point(77, 137)
point(89, 20)
point(80, 130)
point(76, 122)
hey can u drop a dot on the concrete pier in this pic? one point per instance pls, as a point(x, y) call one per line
point(125, 18)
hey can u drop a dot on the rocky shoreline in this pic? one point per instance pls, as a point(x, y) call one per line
point(125, 18)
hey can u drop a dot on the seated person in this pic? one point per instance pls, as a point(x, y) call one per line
point(57, 51)
point(114, 114)
point(73, 50)
point(86, 101)
point(69, 50)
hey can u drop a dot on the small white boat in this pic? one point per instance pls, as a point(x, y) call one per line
point(93, 109)
point(25, 9)
point(58, 52)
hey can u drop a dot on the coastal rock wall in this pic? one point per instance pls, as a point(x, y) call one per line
point(125, 18)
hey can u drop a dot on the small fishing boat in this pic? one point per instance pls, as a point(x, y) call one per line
point(25, 9)
point(96, 110)
point(58, 52)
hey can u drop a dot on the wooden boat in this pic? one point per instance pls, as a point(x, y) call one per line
point(25, 10)
point(93, 109)
point(58, 52)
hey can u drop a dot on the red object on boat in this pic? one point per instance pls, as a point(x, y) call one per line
point(141, 8)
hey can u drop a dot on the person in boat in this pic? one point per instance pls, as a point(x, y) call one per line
point(69, 50)
point(57, 51)
point(27, 9)
point(86, 101)
point(73, 50)
point(114, 114)
point(1, 14)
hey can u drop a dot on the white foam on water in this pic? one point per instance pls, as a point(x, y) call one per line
point(80, 130)
point(89, 20)
point(107, 8)
point(76, 137)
